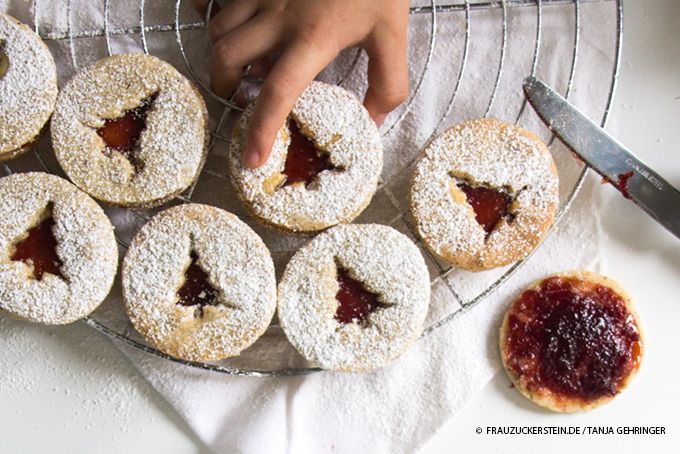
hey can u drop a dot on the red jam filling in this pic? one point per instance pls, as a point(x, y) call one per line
point(304, 161)
point(622, 184)
point(122, 134)
point(489, 205)
point(575, 340)
point(196, 290)
point(354, 301)
point(39, 250)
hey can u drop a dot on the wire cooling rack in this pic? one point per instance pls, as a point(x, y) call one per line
point(174, 30)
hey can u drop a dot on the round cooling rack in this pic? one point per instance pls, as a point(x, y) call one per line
point(174, 33)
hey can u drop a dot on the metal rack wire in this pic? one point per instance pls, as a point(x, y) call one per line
point(435, 11)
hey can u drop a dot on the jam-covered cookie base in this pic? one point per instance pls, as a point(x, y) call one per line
point(573, 338)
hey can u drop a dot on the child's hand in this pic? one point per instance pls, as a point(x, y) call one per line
point(308, 34)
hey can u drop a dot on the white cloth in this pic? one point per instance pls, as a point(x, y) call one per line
point(398, 408)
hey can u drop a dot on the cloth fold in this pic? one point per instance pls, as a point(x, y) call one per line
point(399, 408)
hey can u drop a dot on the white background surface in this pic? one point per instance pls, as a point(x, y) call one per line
point(68, 389)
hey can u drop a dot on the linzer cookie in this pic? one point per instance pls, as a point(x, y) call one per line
point(571, 342)
point(28, 87)
point(130, 131)
point(324, 166)
point(198, 283)
point(58, 255)
point(484, 194)
point(355, 297)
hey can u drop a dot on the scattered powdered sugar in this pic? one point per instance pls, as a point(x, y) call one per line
point(387, 263)
point(238, 266)
point(486, 152)
point(338, 124)
point(172, 147)
point(85, 245)
point(28, 90)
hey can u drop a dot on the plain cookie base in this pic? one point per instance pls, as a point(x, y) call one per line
point(547, 399)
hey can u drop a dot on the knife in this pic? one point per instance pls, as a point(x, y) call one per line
point(606, 156)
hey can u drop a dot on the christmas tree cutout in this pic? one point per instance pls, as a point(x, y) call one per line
point(38, 247)
point(355, 302)
point(304, 160)
point(196, 289)
point(121, 135)
point(490, 204)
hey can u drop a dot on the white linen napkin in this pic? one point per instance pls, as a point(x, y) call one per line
point(398, 408)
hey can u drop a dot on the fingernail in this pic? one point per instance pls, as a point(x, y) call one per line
point(250, 158)
point(379, 119)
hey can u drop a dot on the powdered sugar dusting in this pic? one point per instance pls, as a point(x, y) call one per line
point(85, 245)
point(492, 153)
point(337, 123)
point(388, 264)
point(28, 90)
point(238, 266)
point(172, 147)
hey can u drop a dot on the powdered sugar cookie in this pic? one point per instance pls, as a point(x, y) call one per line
point(130, 131)
point(58, 255)
point(484, 193)
point(28, 87)
point(571, 342)
point(355, 297)
point(324, 166)
point(198, 283)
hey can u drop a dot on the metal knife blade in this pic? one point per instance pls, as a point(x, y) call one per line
point(606, 156)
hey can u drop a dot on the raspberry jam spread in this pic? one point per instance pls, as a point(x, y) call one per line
point(622, 184)
point(354, 301)
point(304, 161)
point(490, 205)
point(122, 134)
point(574, 338)
point(39, 250)
point(196, 290)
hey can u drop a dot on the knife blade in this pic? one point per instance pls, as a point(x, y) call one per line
point(615, 163)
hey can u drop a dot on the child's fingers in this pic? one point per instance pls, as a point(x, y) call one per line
point(387, 77)
point(237, 49)
point(387, 74)
point(235, 13)
point(291, 74)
